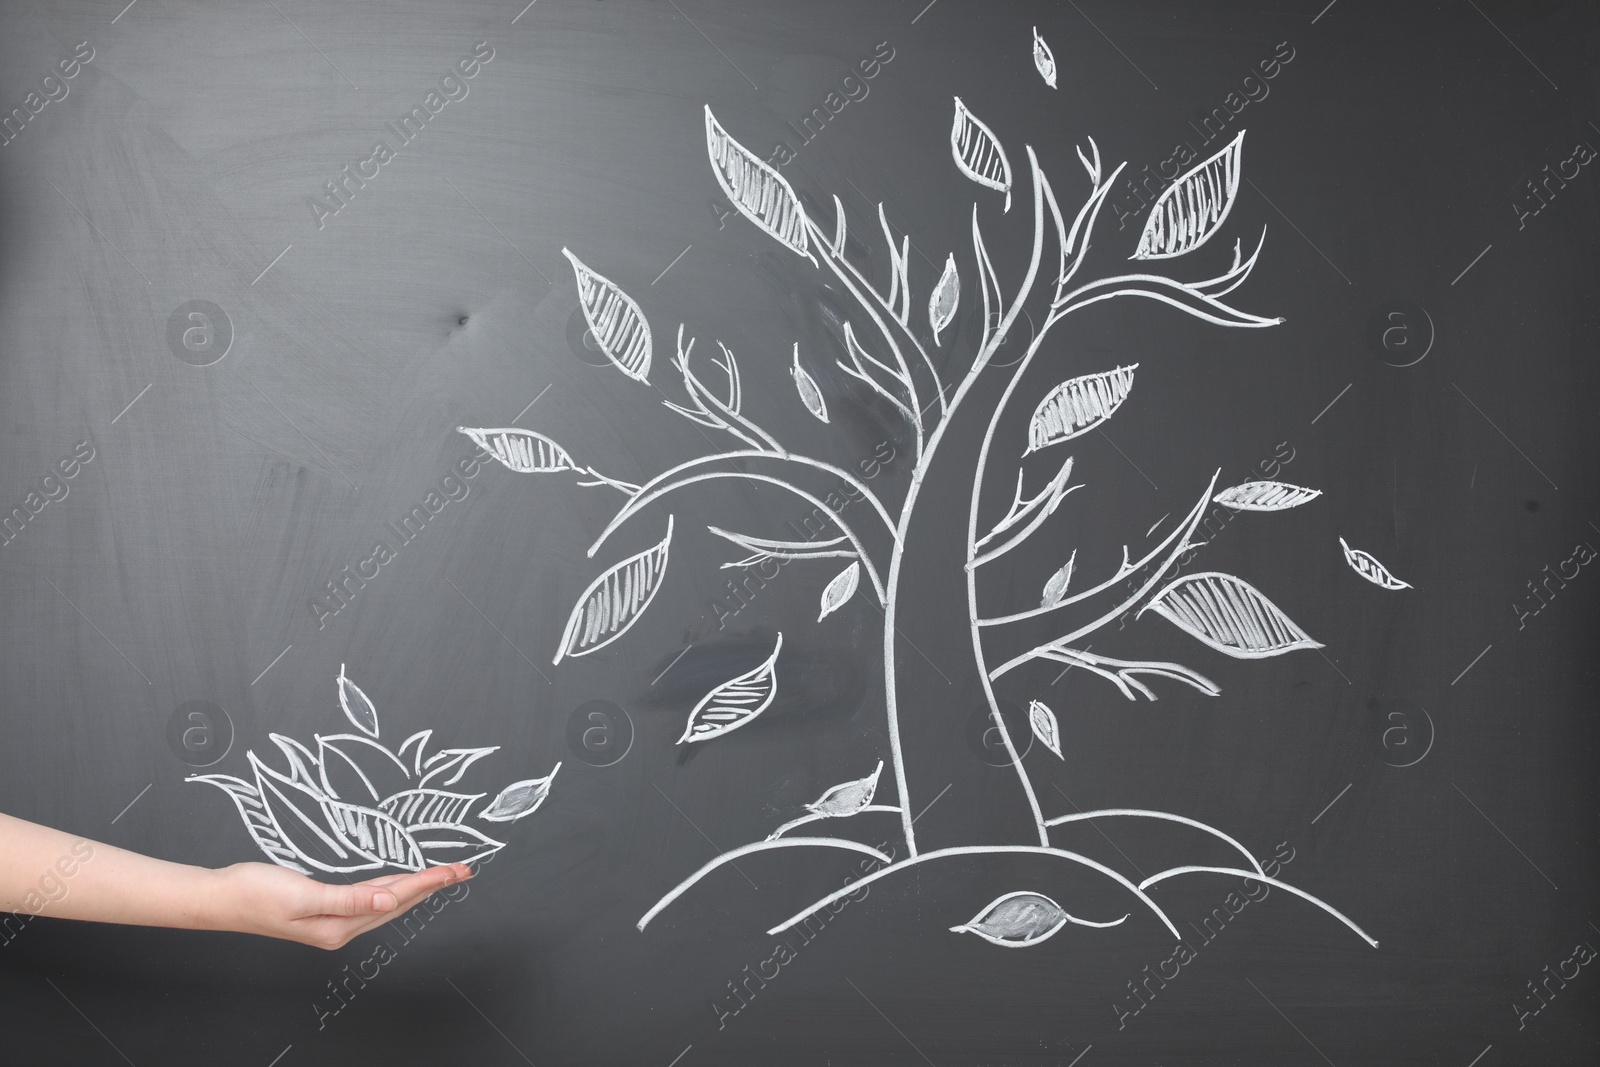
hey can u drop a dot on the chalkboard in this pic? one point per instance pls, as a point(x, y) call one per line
point(898, 533)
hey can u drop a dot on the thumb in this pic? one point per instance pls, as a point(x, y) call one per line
point(358, 900)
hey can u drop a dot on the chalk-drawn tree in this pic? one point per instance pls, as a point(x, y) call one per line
point(889, 549)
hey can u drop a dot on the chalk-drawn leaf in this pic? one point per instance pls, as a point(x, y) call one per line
point(735, 702)
point(519, 799)
point(522, 450)
point(1192, 208)
point(1369, 568)
point(427, 807)
point(1043, 60)
point(978, 154)
point(257, 822)
point(847, 798)
point(806, 386)
point(329, 834)
point(1022, 919)
point(453, 843)
point(759, 192)
point(615, 601)
point(419, 742)
point(1045, 727)
point(359, 769)
point(303, 766)
point(446, 760)
point(1056, 587)
point(619, 327)
point(357, 708)
point(946, 297)
point(1265, 496)
point(1228, 614)
point(840, 589)
point(1077, 406)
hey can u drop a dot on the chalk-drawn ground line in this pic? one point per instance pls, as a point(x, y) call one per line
point(1098, 830)
point(1502, 833)
point(707, 836)
point(90, 1021)
point(879, 1010)
point(1290, 1021)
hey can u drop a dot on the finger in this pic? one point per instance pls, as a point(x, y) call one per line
point(437, 877)
point(361, 899)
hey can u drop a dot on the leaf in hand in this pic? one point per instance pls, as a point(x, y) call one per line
point(847, 798)
point(734, 702)
point(1021, 920)
point(1077, 406)
point(519, 799)
point(840, 589)
point(945, 299)
point(1045, 727)
point(357, 708)
point(1364, 564)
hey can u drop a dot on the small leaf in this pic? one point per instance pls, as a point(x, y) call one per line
point(734, 702)
point(419, 741)
point(1228, 614)
point(1022, 919)
point(1043, 60)
point(806, 386)
point(446, 760)
point(840, 589)
point(847, 798)
point(945, 299)
point(519, 799)
point(978, 154)
point(357, 708)
point(1045, 727)
point(760, 193)
point(1265, 496)
point(1056, 587)
point(1192, 208)
point(618, 325)
point(1077, 406)
point(615, 601)
point(1369, 568)
point(521, 450)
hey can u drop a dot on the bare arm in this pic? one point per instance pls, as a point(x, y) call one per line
point(48, 872)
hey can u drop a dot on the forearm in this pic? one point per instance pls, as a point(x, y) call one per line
point(47, 872)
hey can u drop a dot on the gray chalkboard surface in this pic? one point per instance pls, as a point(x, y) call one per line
point(897, 533)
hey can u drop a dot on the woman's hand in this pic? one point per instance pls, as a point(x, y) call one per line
point(261, 898)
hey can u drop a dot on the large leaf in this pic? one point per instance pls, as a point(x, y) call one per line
point(978, 153)
point(1228, 614)
point(734, 702)
point(1077, 406)
point(615, 601)
point(329, 834)
point(1192, 208)
point(619, 327)
point(760, 193)
point(257, 820)
point(522, 450)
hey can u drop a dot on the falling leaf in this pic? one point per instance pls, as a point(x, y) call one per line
point(357, 708)
point(760, 193)
point(978, 154)
point(519, 799)
point(847, 798)
point(946, 297)
point(615, 601)
point(840, 589)
point(734, 702)
point(521, 450)
point(1192, 208)
point(1021, 920)
point(1077, 406)
point(1265, 496)
point(1369, 568)
point(1056, 587)
point(1045, 728)
point(1228, 614)
point(427, 807)
point(806, 386)
point(1043, 59)
point(619, 327)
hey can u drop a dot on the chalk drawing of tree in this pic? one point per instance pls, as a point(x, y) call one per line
point(892, 549)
